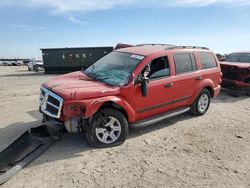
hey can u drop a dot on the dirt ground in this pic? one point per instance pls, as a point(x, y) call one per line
point(185, 151)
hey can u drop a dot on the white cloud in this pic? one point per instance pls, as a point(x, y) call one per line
point(68, 8)
point(201, 3)
point(62, 6)
point(76, 20)
point(28, 28)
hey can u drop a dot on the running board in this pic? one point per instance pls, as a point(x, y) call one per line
point(155, 119)
point(23, 151)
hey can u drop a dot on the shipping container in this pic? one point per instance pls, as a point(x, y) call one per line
point(65, 60)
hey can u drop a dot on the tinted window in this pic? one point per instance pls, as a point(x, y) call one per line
point(239, 57)
point(159, 67)
point(207, 60)
point(184, 63)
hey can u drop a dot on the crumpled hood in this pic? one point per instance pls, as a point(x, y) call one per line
point(236, 64)
point(79, 86)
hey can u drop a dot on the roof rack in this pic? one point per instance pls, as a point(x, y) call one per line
point(154, 45)
point(186, 47)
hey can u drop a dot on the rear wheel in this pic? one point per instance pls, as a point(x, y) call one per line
point(248, 91)
point(107, 128)
point(201, 103)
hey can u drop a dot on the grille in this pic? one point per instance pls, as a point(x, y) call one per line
point(50, 103)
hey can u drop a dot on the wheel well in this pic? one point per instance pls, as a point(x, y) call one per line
point(247, 80)
point(110, 104)
point(210, 89)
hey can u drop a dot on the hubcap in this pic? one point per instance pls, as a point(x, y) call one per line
point(110, 132)
point(203, 103)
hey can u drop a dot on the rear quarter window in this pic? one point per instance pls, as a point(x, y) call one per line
point(207, 60)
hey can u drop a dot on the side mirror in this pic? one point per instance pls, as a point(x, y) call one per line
point(144, 87)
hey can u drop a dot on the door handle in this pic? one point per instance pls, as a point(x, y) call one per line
point(169, 85)
point(198, 78)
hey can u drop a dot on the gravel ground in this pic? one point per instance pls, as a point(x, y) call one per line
point(185, 151)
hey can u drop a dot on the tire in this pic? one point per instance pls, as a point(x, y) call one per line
point(107, 128)
point(248, 91)
point(201, 103)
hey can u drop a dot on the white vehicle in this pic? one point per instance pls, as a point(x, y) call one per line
point(35, 65)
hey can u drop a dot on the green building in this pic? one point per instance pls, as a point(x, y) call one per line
point(71, 59)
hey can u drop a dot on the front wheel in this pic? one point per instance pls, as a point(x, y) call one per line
point(107, 128)
point(201, 103)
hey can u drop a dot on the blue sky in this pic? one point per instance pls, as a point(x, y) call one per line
point(27, 26)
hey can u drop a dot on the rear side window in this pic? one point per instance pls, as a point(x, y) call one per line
point(207, 60)
point(184, 62)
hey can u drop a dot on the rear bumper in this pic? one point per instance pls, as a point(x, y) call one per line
point(217, 90)
point(234, 84)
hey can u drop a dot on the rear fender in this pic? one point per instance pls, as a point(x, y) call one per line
point(93, 106)
point(206, 83)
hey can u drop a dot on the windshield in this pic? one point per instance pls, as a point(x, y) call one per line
point(114, 68)
point(239, 57)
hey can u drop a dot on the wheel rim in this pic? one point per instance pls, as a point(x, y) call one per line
point(110, 132)
point(203, 103)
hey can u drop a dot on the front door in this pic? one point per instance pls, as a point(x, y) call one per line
point(160, 92)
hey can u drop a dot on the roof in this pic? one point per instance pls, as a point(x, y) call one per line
point(143, 50)
point(146, 50)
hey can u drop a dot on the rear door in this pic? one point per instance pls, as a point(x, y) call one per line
point(187, 78)
point(210, 67)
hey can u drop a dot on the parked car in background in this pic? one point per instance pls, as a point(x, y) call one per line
point(131, 87)
point(236, 71)
point(35, 65)
point(17, 63)
point(12, 63)
point(122, 45)
point(221, 57)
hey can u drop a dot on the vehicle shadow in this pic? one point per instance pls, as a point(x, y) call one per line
point(73, 145)
point(229, 96)
point(160, 125)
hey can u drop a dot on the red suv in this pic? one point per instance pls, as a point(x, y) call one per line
point(129, 88)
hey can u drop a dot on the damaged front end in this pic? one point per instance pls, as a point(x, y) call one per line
point(59, 115)
point(235, 77)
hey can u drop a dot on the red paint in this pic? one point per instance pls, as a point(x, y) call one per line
point(78, 90)
point(236, 75)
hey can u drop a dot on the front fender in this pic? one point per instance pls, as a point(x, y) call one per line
point(93, 106)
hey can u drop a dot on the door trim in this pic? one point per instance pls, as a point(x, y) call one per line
point(163, 104)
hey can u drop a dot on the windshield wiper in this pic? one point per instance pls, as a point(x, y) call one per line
point(91, 75)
